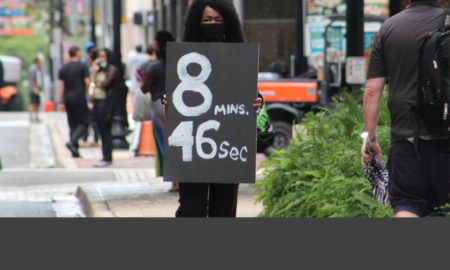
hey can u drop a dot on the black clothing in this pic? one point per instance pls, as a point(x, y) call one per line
point(101, 116)
point(395, 56)
point(207, 200)
point(78, 118)
point(103, 109)
point(417, 185)
point(158, 72)
point(73, 74)
point(35, 99)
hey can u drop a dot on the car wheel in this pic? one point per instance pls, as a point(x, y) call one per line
point(283, 134)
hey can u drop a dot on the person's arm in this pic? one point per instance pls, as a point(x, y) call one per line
point(87, 78)
point(110, 76)
point(371, 108)
point(149, 84)
point(61, 95)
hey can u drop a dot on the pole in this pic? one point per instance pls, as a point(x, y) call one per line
point(50, 56)
point(93, 23)
point(355, 28)
point(117, 44)
point(119, 127)
point(355, 31)
point(301, 63)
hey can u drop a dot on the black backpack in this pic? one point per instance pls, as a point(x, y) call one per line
point(433, 106)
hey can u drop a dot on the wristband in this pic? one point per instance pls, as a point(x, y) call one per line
point(374, 139)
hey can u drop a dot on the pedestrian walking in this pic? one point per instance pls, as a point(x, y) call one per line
point(155, 84)
point(104, 77)
point(418, 159)
point(211, 21)
point(35, 87)
point(134, 60)
point(73, 81)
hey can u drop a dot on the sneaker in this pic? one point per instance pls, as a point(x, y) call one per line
point(102, 164)
point(73, 150)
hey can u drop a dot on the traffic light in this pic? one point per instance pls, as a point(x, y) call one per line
point(138, 18)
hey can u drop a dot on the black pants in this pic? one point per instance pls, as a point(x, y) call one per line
point(102, 115)
point(78, 118)
point(416, 184)
point(208, 200)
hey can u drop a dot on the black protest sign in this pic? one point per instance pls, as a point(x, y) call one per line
point(210, 119)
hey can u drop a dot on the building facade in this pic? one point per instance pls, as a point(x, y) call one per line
point(267, 22)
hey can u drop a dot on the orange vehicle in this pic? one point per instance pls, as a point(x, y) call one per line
point(287, 102)
point(10, 71)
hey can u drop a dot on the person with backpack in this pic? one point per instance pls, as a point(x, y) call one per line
point(409, 54)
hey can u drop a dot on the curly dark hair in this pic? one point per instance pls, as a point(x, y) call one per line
point(233, 33)
point(109, 56)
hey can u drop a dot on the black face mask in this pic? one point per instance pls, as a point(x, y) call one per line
point(212, 32)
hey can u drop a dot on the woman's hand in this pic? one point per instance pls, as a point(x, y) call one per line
point(164, 101)
point(258, 105)
point(95, 67)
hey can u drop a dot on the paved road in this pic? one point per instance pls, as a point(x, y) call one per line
point(40, 178)
point(14, 140)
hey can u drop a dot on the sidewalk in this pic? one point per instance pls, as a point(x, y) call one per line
point(133, 191)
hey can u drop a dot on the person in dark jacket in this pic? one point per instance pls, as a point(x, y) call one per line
point(211, 21)
point(104, 77)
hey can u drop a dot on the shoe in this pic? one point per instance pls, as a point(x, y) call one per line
point(102, 164)
point(94, 144)
point(84, 144)
point(73, 150)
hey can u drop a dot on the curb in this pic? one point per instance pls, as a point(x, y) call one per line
point(132, 200)
point(96, 199)
point(62, 156)
point(91, 206)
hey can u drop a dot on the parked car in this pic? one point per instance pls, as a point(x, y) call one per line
point(10, 71)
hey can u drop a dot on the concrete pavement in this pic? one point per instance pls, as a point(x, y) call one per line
point(127, 189)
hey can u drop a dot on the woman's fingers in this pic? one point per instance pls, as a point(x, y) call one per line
point(258, 105)
point(164, 101)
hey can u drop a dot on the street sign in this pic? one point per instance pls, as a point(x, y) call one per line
point(356, 70)
point(210, 119)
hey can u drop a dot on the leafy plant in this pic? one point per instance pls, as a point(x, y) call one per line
point(320, 174)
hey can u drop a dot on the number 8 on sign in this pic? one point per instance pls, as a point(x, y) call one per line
point(195, 84)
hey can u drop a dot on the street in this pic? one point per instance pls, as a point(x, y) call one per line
point(39, 178)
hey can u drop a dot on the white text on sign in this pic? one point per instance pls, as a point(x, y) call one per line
point(183, 135)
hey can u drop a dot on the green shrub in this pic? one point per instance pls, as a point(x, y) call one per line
point(320, 174)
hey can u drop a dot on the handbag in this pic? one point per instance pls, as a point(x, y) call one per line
point(91, 90)
point(265, 134)
point(142, 106)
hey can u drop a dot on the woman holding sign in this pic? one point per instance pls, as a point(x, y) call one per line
point(211, 21)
